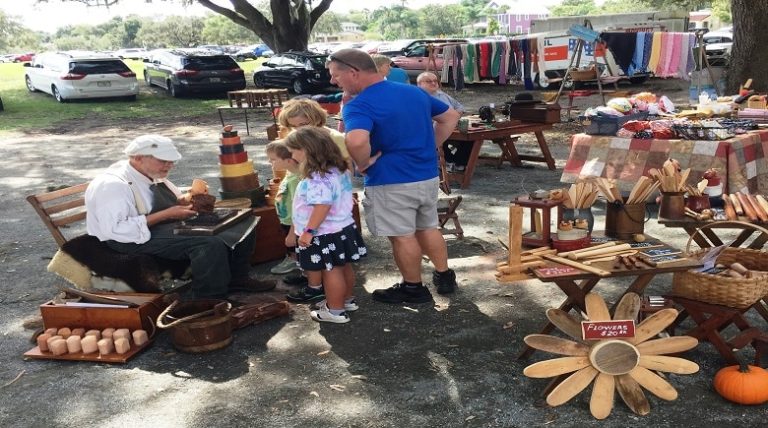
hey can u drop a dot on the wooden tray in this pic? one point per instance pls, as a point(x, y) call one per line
point(241, 215)
point(95, 357)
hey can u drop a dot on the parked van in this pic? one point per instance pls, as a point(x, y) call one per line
point(76, 74)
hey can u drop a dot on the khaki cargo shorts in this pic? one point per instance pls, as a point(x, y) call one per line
point(401, 209)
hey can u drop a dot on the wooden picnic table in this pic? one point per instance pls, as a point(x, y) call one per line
point(505, 134)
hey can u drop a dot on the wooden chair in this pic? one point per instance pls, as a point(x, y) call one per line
point(85, 261)
point(270, 100)
point(446, 207)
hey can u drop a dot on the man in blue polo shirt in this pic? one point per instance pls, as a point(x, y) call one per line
point(391, 138)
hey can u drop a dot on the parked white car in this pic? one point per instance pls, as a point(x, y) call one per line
point(131, 53)
point(73, 75)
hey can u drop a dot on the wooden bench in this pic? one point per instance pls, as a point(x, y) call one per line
point(249, 100)
point(83, 259)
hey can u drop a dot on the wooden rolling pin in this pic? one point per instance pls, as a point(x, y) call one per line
point(730, 211)
point(736, 205)
point(577, 265)
point(762, 202)
point(746, 206)
point(761, 213)
point(599, 252)
point(595, 247)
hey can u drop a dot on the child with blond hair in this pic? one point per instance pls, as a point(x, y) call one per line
point(280, 158)
point(298, 113)
point(327, 236)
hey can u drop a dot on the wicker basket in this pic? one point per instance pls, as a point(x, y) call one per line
point(736, 293)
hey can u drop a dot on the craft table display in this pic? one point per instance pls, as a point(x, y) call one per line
point(504, 134)
point(741, 160)
point(576, 284)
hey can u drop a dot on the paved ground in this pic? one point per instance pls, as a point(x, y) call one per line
point(448, 365)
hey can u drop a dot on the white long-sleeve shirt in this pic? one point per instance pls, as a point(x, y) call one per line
point(113, 213)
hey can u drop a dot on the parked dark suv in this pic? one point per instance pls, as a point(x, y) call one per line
point(186, 71)
point(299, 71)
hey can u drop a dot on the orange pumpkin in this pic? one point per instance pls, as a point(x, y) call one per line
point(742, 384)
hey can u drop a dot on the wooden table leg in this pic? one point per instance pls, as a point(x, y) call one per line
point(576, 294)
point(700, 240)
point(637, 286)
point(713, 238)
point(760, 307)
point(471, 163)
point(545, 150)
point(743, 236)
point(759, 242)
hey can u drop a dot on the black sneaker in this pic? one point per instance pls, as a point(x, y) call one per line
point(445, 281)
point(299, 280)
point(306, 294)
point(399, 293)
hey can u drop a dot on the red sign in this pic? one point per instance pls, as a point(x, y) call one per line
point(556, 53)
point(596, 330)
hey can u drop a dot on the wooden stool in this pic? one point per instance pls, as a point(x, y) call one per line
point(711, 320)
point(539, 234)
point(574, 94)
point(446, 210)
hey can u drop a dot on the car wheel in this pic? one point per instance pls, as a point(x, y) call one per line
point(173, 90)
point(259, 81)
point(30, 86)
point(298, 87)
point(57, 94)
point(240, 58)
point(130, 98)
point(146, 79)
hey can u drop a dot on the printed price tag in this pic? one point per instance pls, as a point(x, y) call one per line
point(597, 330)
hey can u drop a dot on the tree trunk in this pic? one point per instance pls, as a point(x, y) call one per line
point(291, 23)
point(749, 56)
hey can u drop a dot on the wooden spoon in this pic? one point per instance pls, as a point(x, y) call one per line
point(556, 345)
point(556, 367)
point(654, 383)
point(571, 386)
point(663, 363)
point(601, 402)
point(667, 345)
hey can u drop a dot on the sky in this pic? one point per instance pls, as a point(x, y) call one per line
point(53, 14)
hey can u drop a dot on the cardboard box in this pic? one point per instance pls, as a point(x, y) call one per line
point(541, 113)
point(142, 317)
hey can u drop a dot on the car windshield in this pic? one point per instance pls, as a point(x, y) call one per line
point(210, 63)
point(98, 67)
point(317, 61)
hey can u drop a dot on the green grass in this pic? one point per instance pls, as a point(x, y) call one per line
point(25, 111)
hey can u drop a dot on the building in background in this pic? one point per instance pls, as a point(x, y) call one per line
point(518, 16)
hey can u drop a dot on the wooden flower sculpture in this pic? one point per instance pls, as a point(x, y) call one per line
point(623, 364)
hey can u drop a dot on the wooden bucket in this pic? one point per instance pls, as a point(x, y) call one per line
point(623, 221)
point(199, 325)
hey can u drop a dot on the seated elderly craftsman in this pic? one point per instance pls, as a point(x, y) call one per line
point(456, 153)
point(133, 208)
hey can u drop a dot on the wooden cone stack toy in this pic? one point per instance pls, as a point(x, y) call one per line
point(238, 178)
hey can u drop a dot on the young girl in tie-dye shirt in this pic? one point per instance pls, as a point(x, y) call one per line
point(328, 239)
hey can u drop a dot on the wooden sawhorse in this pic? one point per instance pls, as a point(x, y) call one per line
point(711, 320)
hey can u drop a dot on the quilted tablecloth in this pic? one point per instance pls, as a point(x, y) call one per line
point(741, 160)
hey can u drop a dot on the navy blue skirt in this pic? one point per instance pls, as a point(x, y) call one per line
point(333, 249)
